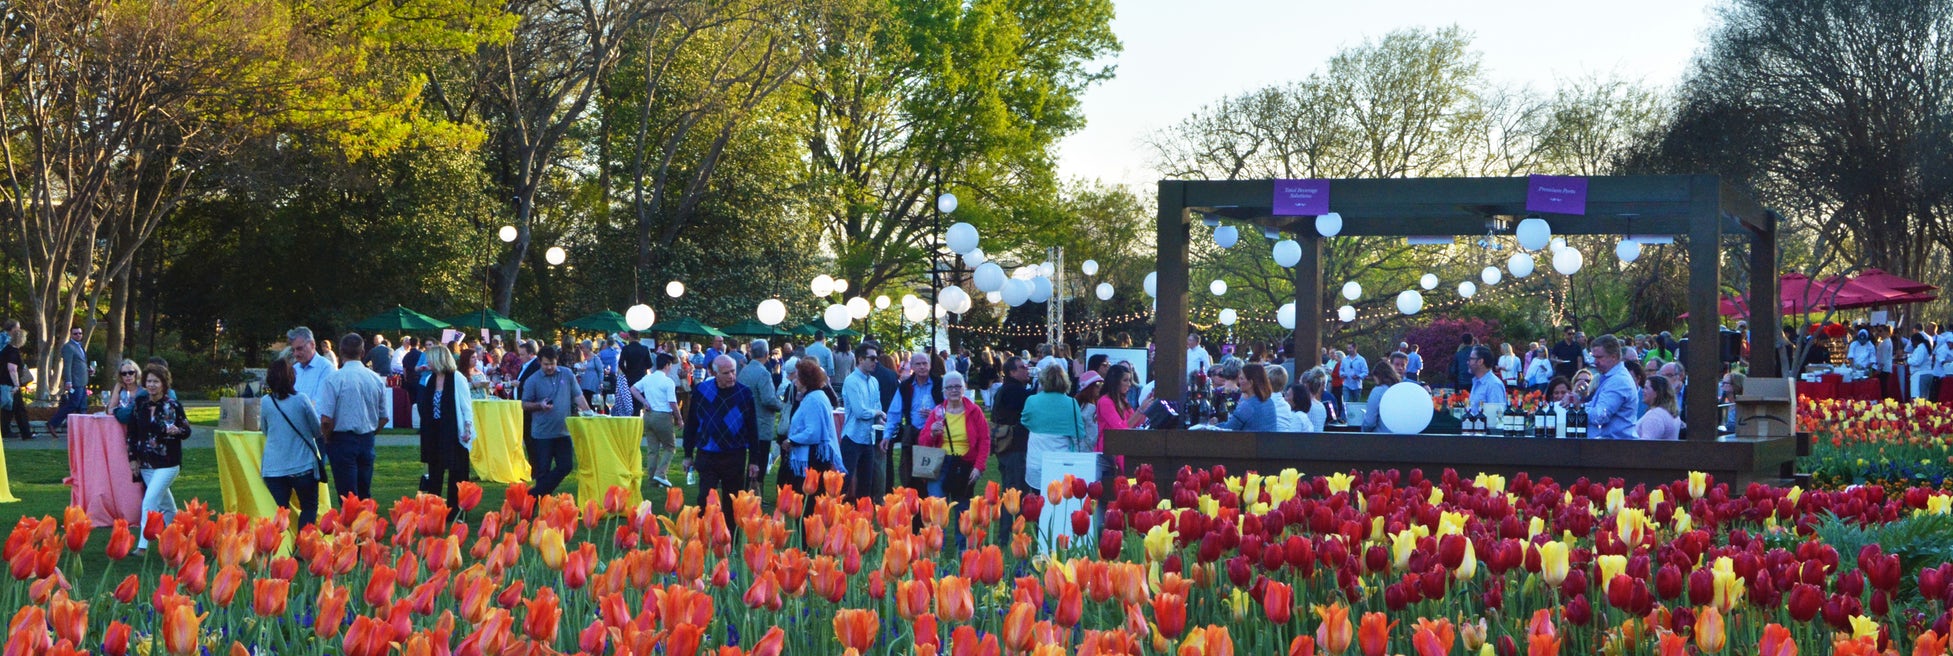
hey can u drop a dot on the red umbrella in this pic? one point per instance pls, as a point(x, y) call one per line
point(1877, 278)
point(1846, 293)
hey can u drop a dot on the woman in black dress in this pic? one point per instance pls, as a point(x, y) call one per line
point(447, 428)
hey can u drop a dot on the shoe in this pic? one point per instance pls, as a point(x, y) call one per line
point(662, 481)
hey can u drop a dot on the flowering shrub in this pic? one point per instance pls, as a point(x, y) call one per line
point(1887, 443)
point(1203, 564)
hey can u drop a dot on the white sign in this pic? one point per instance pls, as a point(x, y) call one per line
point(1056, 519)
point(1131, 357)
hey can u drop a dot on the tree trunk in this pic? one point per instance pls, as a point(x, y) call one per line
point(117, 335)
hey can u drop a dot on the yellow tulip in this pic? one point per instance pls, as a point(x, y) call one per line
point(1656, 497)
point(1939, 504)
point(1159, 542)
point(1233, 484)
point(1615, 500)
point(1469, 568)
point(1683, 523)
point(1610, 566)
point(550, 546)
point(1401, 546)
point(1376, 529)
point(1863, 627)
point(1210, 506)
point(1796, 492)
point(1251, 487)
point(1339, 482)
point(1493, 483)
point(1535, 527)
point(1436, 498)
point(1729, 587)
point(1451, 523)
point(1698, 484)
point(1553, 562)
point(1631, 524)
point(1240, 603)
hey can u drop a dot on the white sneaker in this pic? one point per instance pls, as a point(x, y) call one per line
point(662, 481)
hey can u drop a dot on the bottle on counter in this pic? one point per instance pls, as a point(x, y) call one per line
point(1576, 423)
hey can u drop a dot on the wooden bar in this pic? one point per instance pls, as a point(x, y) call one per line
point(1732, 460)
point(1765, 321)
point(1309, 308)
point(1703, 360)
point(1170, 321)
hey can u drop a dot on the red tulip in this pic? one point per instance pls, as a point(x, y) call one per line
point(953, 599)
point(1277, 602)
point(541, 616)
point(1373, 634)
point(75, 527)
point(964, 642)
point(856, 628)
point(69, 617)
point(1543, 645)
point(268, 596)
point(1776, 642)
point(1071, 605)
point(332, 610)
point(772, 644)
point(765, 592)
point(1805, 602)
point(592, 639)
point(379, 587)
point(115, 641)
point(368, 637)
point(126, 591)
point(121, 542)
point(181, 627)
point(229, 579)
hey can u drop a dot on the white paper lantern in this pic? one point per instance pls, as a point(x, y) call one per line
point(1152, 284)
point(1105, 291)
point(1628, 250)
point(988, 277)
point(837, 317)
point(1352, 290)
point(1406, 408)
point(840, 286)
point(910, 299)
point(822, 285)
point(771, 312)
point(1047, 270)
point(993, 297)
point(1409, 301)
point(858, 308)
point(1040, 289)
point(1429, 281)
point(917, 312)
point(507, 233)
point(881, 302)
point(1025, 272)
point(1090, 267)
point(961, 238)
point(975, 257)
point(1520, 264)
point(1226, 236)
point(640, 317)
point(1218, 287)
point(555, 255)
point(1467, 290)
point(946, 203)
point(1288, 253)
point(674, 289)
point(1568, 261)
point(1491, 275)
point(1329, 225)
point(1345, 314)
point(1558, 243)
point(1533, 233)
point(1229, 316)
point(1016, 292)
point(1286, 315)
point(955, 300)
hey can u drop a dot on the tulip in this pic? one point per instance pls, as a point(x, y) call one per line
point(1863, 627)
point(1778, 642)
point(1159, 543)
point(1805, 602)
point(593, 638)
point(1071, 605)
point(1373, 636)
point(1542, 645)
point(549, 545)
point(1843, 646)
point(765, 591)
point(115, 641)
point(1433, 638)
point(1402, 545)
point(1302, 645)
point(75, 527)
point(1542, 623)
point(121, 542)
point(927, 633)
point(1710, 635)
point(1170, 614)
point(194, 574)
point(911, 599)
point(126, 591)
point(1017, 631)
point(1335, 633)
point(224, 590)
point(27, 632)
point(268, 596)
point(541, 616)
point(379, 587)
point(69, 617)
point(1553, 564)
point(332, 610)
point(953, 599)
point(964, 641)
point(772, 644)
point(182, 627)
point(1672, 645)
point(856, 628)
point(685, 638)
point(1277, 602)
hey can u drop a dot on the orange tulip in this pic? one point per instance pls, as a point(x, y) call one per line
point(1017, 627)
point(928, 634)
point(379, 587)
point(1710, 635)
point(1277, 602)
point(772, 644)
point(181, 627)
point(268, 596)
point(541, 616)
point(1208, 641)
point(1778, 642)
point(1542, 623)
point(27, 632)
point(1866, 646)
point(964, 642)
point(1335, 633)
point(1543, 644)
point(953, 599)
point(1071, 605)
point(195, 573)
point(70, 618)
point(1930, 643)
point(127, 590)
point(856, 628)
point(121, 542)
point(76, 527)
point(224, 589)
point(1373, 635)
point(1302, 646)
point(1672, 645)
point(368, 637)
point(115, 641)
point(765, 591)
point(332, 610)
point(1170, 614)
point(691, 562)
point(1433, 638)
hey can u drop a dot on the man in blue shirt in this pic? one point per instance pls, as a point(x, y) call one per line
point(819, 352)
point(1486, 385)
point(1610, 410)
point(919, 392)
point(863, 451)
point(1355, 369)
point(1416, 364)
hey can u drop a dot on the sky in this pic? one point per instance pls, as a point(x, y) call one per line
point(1182, 54)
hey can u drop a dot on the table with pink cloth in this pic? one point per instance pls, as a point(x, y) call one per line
point(99, 480)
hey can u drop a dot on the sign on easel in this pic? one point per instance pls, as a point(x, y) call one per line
point(1056, 519)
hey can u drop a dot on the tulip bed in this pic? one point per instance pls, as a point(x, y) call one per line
point(1202, 564)
point(1885, 443)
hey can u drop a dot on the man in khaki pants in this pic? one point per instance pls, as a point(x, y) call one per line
point(657, 394)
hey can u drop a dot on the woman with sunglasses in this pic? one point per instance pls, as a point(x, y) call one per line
point(13, 371)
point(121, 399)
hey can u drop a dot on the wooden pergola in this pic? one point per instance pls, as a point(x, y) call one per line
point(1701, 208)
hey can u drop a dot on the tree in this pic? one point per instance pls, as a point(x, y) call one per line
point(110, 108)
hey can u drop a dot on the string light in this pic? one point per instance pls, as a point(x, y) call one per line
point(1037, 329)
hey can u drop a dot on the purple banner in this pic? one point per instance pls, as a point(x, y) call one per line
point(1301, 198)
point(1558, 194)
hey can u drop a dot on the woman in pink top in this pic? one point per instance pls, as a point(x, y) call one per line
point(1660, 422)
point(1114, 413)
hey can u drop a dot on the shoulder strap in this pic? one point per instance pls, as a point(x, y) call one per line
point(310, 440)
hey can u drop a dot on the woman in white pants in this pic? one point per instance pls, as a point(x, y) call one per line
point(156, 446)
point(1919, 360)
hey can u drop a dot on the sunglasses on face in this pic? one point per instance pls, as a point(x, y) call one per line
point(128, 373)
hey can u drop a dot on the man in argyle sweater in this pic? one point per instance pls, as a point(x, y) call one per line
point(722, 436)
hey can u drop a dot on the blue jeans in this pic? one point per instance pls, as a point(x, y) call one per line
point(351, 456)
point(1352, 394)
point(305, 485)
point(553, 459)
point(77, 401)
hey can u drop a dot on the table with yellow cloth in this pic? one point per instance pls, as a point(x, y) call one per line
point(498, 454)
point(240, 475)
point(608, 454)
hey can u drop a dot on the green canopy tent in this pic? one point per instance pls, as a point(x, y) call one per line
point(846, 332)
point(811, 329)
point(486, 318)
point(604, 322)
point(400, 319)
point(754, 328)
point(686, 326)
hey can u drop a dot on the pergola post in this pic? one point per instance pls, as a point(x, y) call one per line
point(1704, 354)
point(1309, 311)
point(1170, 321)
point(1766, 321)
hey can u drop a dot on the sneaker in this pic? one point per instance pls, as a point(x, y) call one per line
point(662, 481)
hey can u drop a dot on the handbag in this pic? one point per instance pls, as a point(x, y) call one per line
point(926, 462)
point(319, 469)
